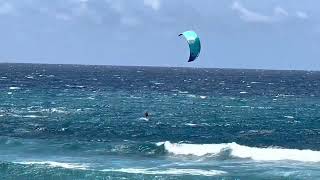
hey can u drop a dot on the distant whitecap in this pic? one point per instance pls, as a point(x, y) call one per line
point(14, 88)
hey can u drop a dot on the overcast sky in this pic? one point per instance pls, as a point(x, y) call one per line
point(269, 34)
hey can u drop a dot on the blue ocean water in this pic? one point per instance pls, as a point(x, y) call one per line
point(87, 122)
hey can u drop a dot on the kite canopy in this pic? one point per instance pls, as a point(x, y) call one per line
point(194, 44)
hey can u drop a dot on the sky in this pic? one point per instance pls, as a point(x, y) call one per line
point(253, 34)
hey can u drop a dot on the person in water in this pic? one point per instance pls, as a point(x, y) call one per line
point(146, 114)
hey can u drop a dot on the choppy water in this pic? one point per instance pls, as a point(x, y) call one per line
point(86, 122)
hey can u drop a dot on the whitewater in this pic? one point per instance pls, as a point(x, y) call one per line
point(239, 151)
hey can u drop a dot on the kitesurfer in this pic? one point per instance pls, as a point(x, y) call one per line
point(146, 114)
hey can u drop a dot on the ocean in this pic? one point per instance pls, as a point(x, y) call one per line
point(87, 122)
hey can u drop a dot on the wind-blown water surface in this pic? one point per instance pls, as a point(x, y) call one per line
point(86, 122)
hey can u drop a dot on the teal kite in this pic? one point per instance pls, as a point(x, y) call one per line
point(194, 44)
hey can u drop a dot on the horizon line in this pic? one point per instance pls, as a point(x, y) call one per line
point(160, 66)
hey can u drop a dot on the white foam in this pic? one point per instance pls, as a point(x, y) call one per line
point(289, 117)
point(29, 77)
point(34, 116)
point(171, 171)
point(55, 110)
point(190, 124)
point(243, 92)
point(57, 164)
point(183, 92)
point(191, 95)
point(203, 97)
point(240, 151)
point(192, 149)
point(144, 119)
point(14, 88)
point(135, 97)
point(262, 107)
point(160, 143)
point(74, 86)
point(284, 95)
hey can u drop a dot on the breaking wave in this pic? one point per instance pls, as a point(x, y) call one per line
point(240, 151)
point(171, 171)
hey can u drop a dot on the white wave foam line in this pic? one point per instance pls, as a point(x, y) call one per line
point(58, 110)
point(54, 110)
point(34, 116)
point(289, 117)
point(183, 92)
point(258, 154)
point(56, 164)
point(191, 95)
point(14, 88)
point(144, 119)
point(191, 124)
point(171, 171)
point(29, 77)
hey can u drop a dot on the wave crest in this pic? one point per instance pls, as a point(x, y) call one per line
point(172, 171)
point(240, 151)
